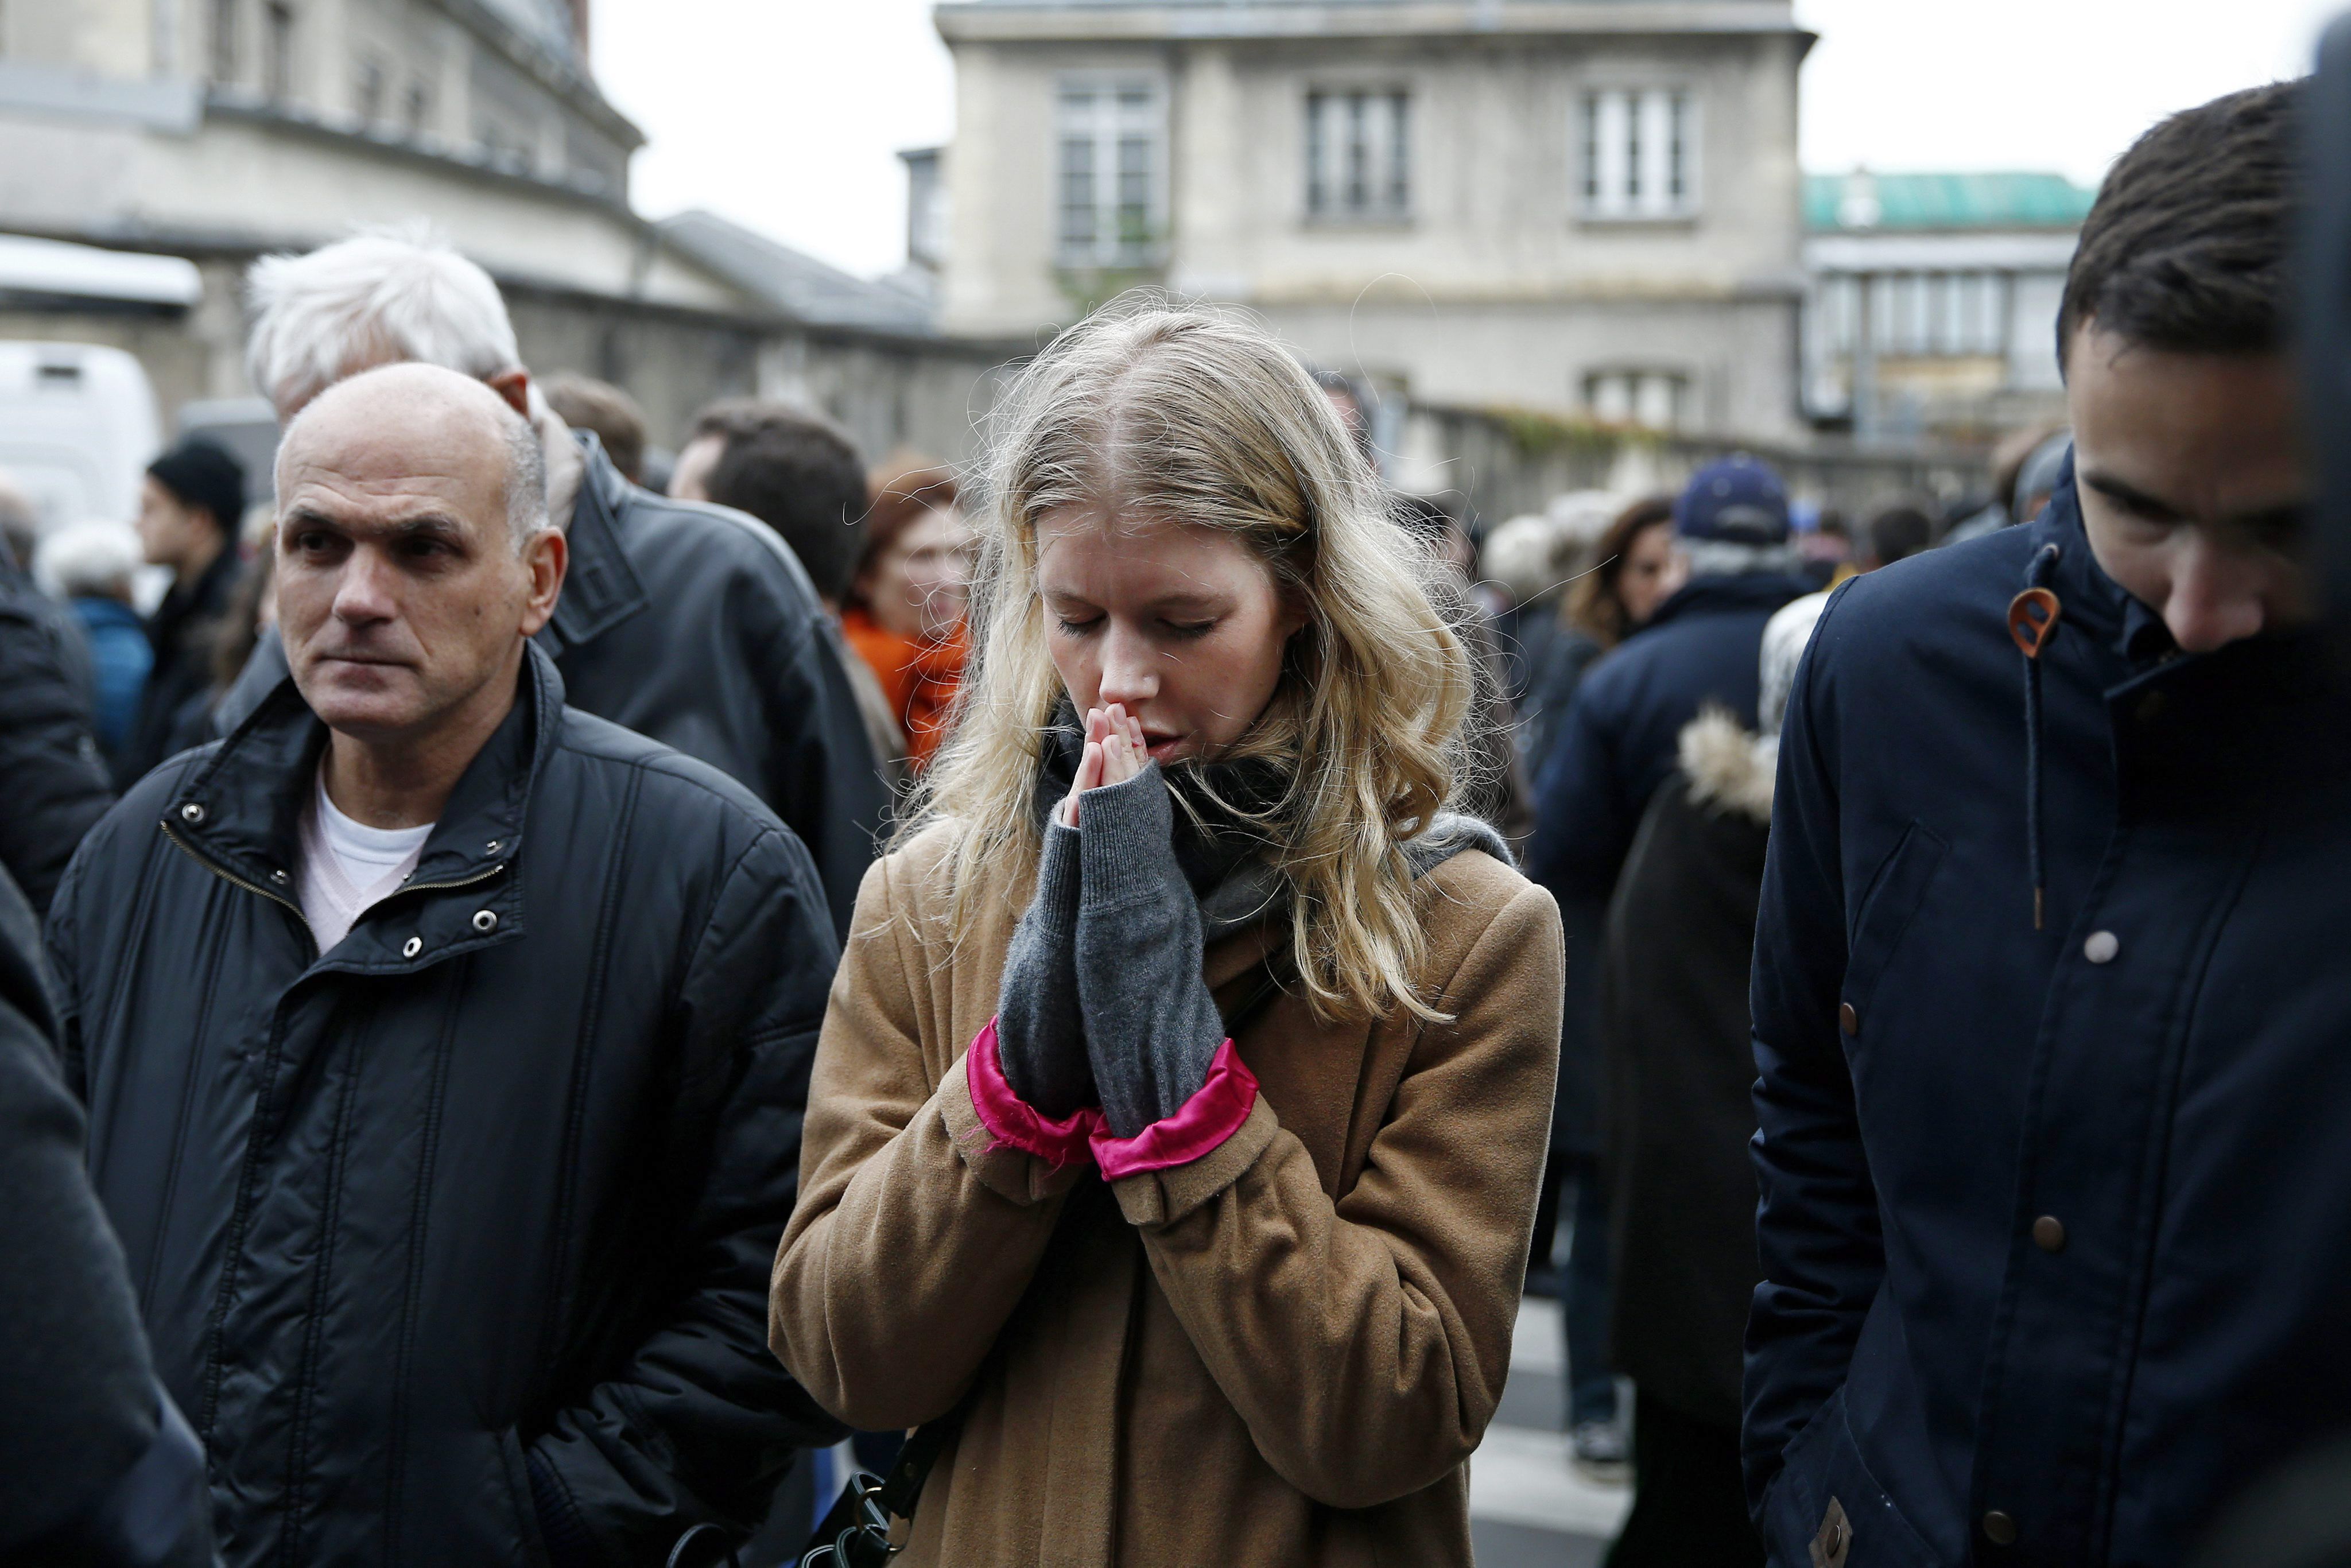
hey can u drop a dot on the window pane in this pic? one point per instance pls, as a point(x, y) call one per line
point(1134, 195)
point(1592, 150)
point(1359, 151)
point(1078, 192)
point(1678, 160)
point(1399, 153)
point(1318, 193)
point(1631, 112)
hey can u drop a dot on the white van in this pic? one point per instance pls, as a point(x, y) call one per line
point(77, 428)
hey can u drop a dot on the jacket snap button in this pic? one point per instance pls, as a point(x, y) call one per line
point(2049, 1233)
point(493, 847)
point(411, 948)
point(2102, 947)
point(192, 813)
point(278, 877)
point(485, 920)
point(1848, 1019)
point(1999, 1529)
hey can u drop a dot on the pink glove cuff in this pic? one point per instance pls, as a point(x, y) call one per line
point(1012, 1120)
point(1209, 1117)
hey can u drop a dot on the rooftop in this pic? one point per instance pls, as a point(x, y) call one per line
point(792, 282)
point(1864, 202)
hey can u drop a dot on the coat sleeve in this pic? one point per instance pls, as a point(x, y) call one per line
point(697, 1424)
point(1817, 1229)
point(108, 1464)
point(1366, 1341)
point(50, 777)
point(917, 1229)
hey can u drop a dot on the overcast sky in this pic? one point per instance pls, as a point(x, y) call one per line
point(787, 115)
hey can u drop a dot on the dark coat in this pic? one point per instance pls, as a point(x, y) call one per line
point(178, 693)
point(88, 1460)
point(487, 1195)
point(53, 785)
point(695, 626)
point(1614, 747)
point(1680, 1074)
point(2060, 1228)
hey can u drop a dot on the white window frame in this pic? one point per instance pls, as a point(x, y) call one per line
point(1638, 153)
point(1109, 127)
point(1649, 397)
point(1373, 158)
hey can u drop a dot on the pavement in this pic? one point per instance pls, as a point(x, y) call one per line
point(1529, 1508)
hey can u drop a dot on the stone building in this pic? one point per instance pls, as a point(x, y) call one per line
point(217, 129)
point(1934, 300)
point(1587, 208)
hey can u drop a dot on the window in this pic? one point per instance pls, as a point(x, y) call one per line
point(1111, 174)
point(1917, 315)
point(418, 111)
point(1655, 400)
point(224, 41)
point(277, 51)
point(1358, 154)
point(367, 95)
point(1640, 153)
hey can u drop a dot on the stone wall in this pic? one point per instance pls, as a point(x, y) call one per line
point(1506, 463)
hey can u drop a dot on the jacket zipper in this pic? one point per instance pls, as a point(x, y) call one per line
point(234, 881)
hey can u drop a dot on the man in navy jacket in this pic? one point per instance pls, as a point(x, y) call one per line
point(2050, 999)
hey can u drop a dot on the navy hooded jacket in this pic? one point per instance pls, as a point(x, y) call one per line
point(2056, 1221)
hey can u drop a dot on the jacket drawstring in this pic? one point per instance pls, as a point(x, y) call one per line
point(2033, 618)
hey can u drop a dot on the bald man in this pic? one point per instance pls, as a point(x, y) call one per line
point(445, 1049)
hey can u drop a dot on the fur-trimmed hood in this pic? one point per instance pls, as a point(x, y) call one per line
point(1729, 767)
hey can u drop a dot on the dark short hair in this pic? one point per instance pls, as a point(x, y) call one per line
point(585, 404)
point(2189, 246)
point(205, 477)
point(799, 474)
point(1898, 532)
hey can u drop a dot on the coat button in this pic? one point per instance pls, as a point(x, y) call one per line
point(2000, 1529)
point(278, 876)
point(412, 946)
point(486, 920)
point(1848, 1019)
point(192, 813)
point(2102, 947)
point(2049, 1233)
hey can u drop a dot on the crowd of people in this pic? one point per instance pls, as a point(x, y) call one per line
point(544, 981)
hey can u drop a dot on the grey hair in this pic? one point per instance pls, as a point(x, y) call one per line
point(526, 478)
point(369, 300)
point(91, 558)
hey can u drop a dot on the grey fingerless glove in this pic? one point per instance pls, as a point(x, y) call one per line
point(1040, 1036)
point(1151, 1027)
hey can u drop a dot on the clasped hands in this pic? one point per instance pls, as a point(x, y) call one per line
point(1103, 995)
point(1115, 752)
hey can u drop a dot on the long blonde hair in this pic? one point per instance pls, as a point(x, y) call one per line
point(1151, 411)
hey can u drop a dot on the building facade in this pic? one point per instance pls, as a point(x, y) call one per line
point(1933, 302)
point(215, 131)
point(1582, 207)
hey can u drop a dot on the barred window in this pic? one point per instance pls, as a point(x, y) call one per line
point(1640, 153)
point(1359, 154)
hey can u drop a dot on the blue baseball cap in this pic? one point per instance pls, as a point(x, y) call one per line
point(1738, 501)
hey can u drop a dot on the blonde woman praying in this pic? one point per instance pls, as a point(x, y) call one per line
point(1196, 1298)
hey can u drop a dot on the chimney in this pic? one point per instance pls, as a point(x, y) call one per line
point(580, 27)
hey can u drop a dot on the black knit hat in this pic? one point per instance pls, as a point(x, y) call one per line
point(201, 474)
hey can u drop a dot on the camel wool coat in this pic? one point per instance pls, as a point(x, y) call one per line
point(1283, 1352)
